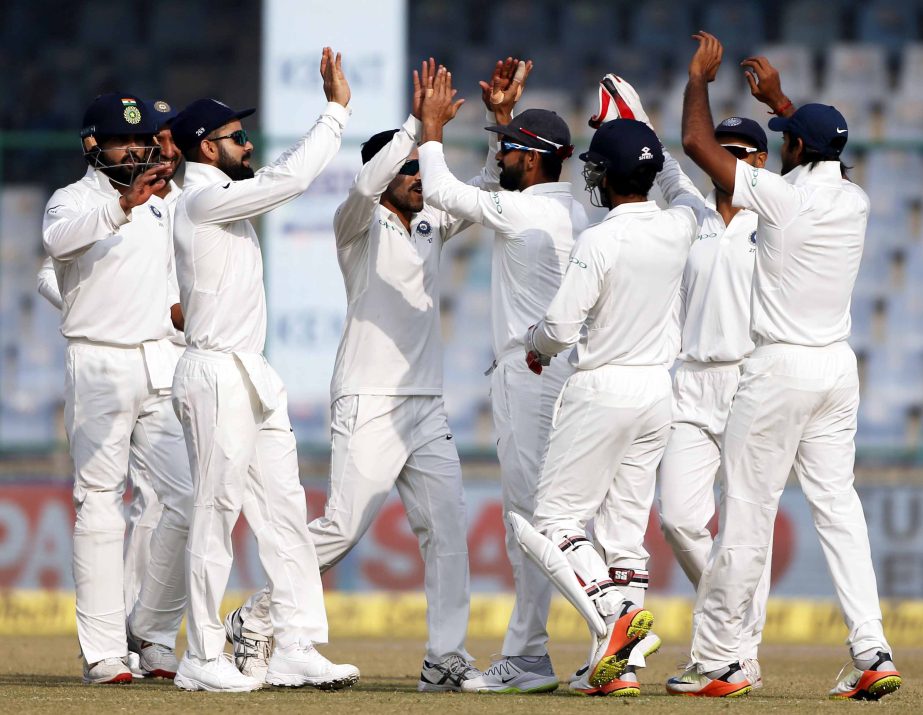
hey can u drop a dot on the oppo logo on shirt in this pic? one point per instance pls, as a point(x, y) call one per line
point(577, 262)
point(496, 197)
point(754, 175)
point(388, 225)
point(702, 236)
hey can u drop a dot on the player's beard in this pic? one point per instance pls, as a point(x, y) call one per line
point(511, 176)
point(407, 200)
point(235, 169)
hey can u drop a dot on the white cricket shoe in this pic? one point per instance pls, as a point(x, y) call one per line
point(133, 663)
point(870, 679)
point(515, 674)
point(109, 671)
point(154, 660)
point(297, 665)
point(751, 668)
point(446, 675)
point(251, 650)
point(727, 682)
point(216, 675)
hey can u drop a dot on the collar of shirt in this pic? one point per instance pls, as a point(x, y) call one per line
point(711, 203)
point(391, 220)
point(549, 187)
point(633, 207)
point(826, 172)
point(203, 174)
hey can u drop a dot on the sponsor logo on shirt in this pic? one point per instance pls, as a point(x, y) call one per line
point(53, 210)
point(754, 175)
point(577, 262)
point(702, 236)
point(156, 212)
point(496, 198)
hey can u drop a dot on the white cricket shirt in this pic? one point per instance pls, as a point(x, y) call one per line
point(715, 291)
point(617, 299)
point(112, 269)
point(391, 344)
point(218, 260)
point(809, 241)
point(534, 234)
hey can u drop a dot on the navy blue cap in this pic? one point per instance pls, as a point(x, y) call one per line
point(821, 127)
point(162, 112)
point(538, 129)
point(201, 117)
point(745, 129)
point(623, 145)
point(117, 114)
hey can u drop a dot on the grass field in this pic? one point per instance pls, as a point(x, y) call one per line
point(43, 675)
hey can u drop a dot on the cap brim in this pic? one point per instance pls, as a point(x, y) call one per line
point(592, 156)
point(244, 113)
point(779, 124)
point(507, 131)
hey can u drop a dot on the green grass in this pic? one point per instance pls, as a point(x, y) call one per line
point(42, 675)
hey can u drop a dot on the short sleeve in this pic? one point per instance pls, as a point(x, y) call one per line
point(767, 194)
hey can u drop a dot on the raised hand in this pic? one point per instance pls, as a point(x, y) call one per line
point(505, 87)
point(336, 88)
point(422, 85)
point(144, 186)
point(765, 84)
point(707, 58)
point(440, 107)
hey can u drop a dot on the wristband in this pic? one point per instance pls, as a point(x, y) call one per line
point(784, 108)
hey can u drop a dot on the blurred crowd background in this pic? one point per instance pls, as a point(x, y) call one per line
point(864, 57)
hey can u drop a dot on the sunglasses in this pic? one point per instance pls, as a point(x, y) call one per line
point(410, 168)
point(739, 151)
point(507, 146)
point(239, 137)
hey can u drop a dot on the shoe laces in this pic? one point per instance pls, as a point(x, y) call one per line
point(457, 665)
point(501, 667)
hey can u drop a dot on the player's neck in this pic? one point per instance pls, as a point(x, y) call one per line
point(403, 217)
point(723, 206)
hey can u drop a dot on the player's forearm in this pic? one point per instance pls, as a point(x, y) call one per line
point(442, 190)
point(551, 337)
point(48, 285)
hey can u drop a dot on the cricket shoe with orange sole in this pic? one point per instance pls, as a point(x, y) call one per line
point(610, 653)
point(867, 681)
point(728, 682)
point(579, 683)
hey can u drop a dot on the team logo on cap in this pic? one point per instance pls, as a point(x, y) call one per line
point(645, 154)
point(156, 212)
point(732, 122)
point(161, 106)
point(131, 113)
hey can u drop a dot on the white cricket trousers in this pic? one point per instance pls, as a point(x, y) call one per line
point(243, 457)
point(607, 437)
point(144, 511)
point(523, 404)
point(795, 407)
point(382, 441)
point(702, 396)
point(114, 416)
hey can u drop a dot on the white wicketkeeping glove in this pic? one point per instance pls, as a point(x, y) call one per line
point(618, 100)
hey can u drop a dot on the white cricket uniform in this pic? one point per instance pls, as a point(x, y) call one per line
point(232, 404)
point(144, 509)
point(113, 272)
point(613, 416)
point(715, 329)
point(795, 407)
point(534, 234)
point(388, 419)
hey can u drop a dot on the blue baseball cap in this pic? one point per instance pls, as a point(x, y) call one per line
point(117, 114)
point(821, 127)
point(745, 129)
point(201, 117)
point(623, 145)
point(162, 112)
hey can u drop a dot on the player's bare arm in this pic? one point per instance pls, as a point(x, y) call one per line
point(505, 87)
point(766, 86)
point(699, 141)
point(336, 88)
point(440, 107)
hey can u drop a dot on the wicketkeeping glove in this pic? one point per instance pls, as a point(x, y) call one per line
point(534, 359)
point(618, 100)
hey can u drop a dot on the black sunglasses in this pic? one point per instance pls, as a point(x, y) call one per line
point(410, 168)
point(239, 137)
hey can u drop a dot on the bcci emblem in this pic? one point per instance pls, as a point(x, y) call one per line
point(156, 212)
point(132, 114)
point(753, 242)
point(425, 229)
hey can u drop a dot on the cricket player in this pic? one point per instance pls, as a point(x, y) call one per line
point(109, 239)
point(388, 419)
point(232, 404)
point(715, 324)
point(796, 404)
point(145, 510)
point(535, 220)
point(612, 419)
